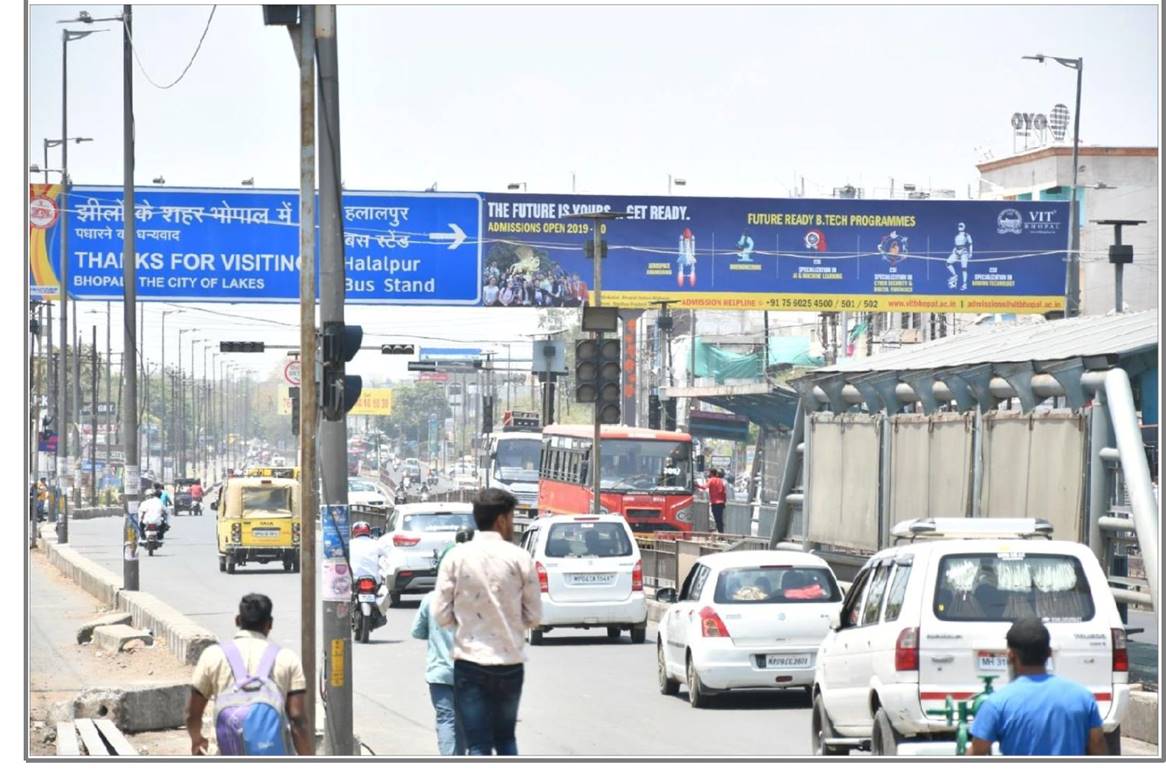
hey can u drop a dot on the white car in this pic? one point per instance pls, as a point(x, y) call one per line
point(745, 620)
point(927, 620)
point(590, 575)
point(416, 535)
point(363, 493)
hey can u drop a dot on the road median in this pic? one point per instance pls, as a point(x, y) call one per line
point(185, 638)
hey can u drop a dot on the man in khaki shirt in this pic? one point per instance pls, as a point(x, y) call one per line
point(488, 591)
point(213, 675)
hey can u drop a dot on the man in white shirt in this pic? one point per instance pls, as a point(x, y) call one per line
point(488, 591)
point(365, 554)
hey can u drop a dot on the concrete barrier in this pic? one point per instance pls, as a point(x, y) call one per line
point(1141, 720)
point(137, 708)
point(88, 513)
point(185, 638)
point(94, 579)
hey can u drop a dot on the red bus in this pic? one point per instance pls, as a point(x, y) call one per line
point(645, 475)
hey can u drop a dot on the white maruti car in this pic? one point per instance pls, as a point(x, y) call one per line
point(416, 535)
point(364, 493)
point(925, 622)
point(745, 620)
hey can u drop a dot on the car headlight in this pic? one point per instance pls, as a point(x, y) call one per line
point(684, 515)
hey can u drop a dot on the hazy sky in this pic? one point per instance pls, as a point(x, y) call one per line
point(739, 101)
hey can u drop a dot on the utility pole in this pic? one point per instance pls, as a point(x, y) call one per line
point(63, 475)
point(108, 392)
point(93, 422)
point(333, 433)
point(130, 481)
point(54, 408)
point(75, 414)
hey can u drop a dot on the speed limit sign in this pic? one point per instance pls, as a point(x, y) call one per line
point(291, 372)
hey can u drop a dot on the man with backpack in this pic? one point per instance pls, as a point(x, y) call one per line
point(258, 688)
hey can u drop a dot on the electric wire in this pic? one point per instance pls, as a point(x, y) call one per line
point(186, 69)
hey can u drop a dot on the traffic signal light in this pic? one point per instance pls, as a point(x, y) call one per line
point(487, 414)
point(597, 373)
point(397, 350)
point(654, 411)
point(338, 392)
point(669, 413)
point(293, 393)
point(240, 347)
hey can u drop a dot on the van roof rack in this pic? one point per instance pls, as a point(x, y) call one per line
point(973, 528)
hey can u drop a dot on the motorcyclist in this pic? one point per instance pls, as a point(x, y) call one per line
point(153, 511)
point(365, 554)
point(164, 495)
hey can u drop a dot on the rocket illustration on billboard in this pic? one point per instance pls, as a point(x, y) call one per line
point(686, 259)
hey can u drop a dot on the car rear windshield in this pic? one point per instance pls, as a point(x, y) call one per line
point(267, 500)
point(1005, 586)
point(426, 522)
point(776, 585)
point(588, 540)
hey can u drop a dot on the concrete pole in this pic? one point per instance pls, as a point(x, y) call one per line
point(130, 482)
point(93, 421)
point(1073, 268)
point(75, 414)
point(62, 468)
point(53, 409)
point(333, 435)
point(596, 461)
point(108, 389)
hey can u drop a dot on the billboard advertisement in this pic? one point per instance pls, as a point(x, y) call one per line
point(520, 250)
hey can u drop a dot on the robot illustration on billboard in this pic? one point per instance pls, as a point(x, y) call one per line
point(745, 248)
point(893, 248)
point(686, 259)
point(962, 252)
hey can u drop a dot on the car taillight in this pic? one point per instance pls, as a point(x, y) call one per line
point(1121, 655)
point(543, 584)
point(366, 585)
point(907, 650)
point(711, 625)
point(638, 576)
point(402, 540)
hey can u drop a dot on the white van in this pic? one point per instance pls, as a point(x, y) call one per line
point(590, 574)
point(927, 620)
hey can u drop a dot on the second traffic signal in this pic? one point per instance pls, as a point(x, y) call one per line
point(597, 375)
point(338, 392)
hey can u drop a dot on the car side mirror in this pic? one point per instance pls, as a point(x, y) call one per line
point(666, 595)
point(836, 620)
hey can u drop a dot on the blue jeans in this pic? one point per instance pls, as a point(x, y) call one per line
point(486, 699)
point(449, 733)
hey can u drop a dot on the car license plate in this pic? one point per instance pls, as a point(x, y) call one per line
point(264, 532)
point(592, 579)
point(368, 598)
point(995, 662)
point(787, 661)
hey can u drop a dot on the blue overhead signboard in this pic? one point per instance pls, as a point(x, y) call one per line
point(243, 246)
point(527, 250)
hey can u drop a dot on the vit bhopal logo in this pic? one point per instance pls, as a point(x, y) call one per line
point(1041, 222)
point(1009, 222)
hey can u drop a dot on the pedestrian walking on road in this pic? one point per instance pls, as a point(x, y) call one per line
point(258, 688)
point(439, 673)
point(1037, 713)
point(716, 491)
point(488, 591)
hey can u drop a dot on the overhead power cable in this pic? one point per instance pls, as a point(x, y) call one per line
point(186, 69)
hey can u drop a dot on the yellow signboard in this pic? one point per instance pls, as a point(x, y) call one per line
point(284, 400)
point(337, 663)
point(374, 401)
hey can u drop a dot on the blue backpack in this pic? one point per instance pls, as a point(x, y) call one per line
point(250, 717)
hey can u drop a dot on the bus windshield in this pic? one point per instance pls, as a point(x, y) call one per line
point(645, 464)
point(516, 460)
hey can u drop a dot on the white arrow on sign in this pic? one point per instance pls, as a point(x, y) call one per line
point(457, 236)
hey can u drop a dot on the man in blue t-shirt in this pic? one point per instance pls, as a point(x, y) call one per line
point(1037, 713)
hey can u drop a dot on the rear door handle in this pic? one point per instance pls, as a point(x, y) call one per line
point(944, 659)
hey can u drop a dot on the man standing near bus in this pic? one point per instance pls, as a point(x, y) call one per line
point(716, 491)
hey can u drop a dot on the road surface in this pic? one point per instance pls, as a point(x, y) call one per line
point(583, 695)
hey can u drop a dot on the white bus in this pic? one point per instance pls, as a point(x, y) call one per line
point(513, 462)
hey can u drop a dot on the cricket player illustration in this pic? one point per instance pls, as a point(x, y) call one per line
point(686, 259)
point(745, 248)
point(962, 251)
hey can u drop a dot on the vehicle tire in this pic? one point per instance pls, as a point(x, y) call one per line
point(362, 636)
point(613, 633)
point(230, 564)
point(222, 563)
point(639, 634)
point(394, 599)
point(1113, 741)
point(668, 685)
point(820, 729)
point(697, 697)
point(884, 742)
point(295, 565)
point(150, 550)
point(536, 637)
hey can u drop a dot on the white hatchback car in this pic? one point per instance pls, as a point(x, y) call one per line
point(365, 493)
point(927, 621)
point(590, 574)
point(416, 535)
point(745, 621)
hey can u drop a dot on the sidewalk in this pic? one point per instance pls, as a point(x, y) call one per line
point(60, 668)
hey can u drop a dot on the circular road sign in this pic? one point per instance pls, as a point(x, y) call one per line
point(291, 372)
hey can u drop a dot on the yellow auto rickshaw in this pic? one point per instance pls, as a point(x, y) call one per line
point(259, 521)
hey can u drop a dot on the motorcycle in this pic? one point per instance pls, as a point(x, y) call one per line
point(366, 615)
point(196, 508)
point(152, 537)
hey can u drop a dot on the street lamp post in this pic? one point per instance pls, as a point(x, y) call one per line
point(516, 186)
point(1073, 266)
point(193, 413)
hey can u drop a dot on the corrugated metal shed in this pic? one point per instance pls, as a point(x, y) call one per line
point(1015, 342)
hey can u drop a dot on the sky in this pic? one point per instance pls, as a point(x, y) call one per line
point(741, 101)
